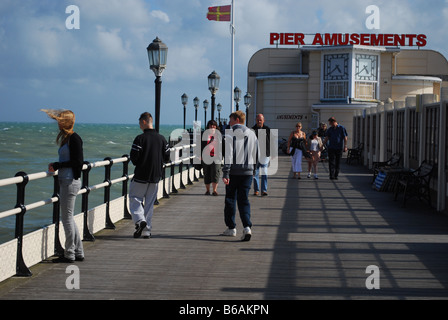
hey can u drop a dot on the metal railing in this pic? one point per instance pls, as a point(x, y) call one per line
point(21, 179)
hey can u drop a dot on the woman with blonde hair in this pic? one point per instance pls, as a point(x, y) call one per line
point(296, 144)
point(70, 164)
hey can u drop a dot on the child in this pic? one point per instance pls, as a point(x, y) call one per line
point(314, 145)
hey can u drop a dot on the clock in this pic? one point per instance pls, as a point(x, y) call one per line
point(366, 67)
point(336, 66)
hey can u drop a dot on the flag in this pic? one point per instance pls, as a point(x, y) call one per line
point(220, 13)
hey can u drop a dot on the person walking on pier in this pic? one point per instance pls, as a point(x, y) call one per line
point(71, 160)
point(296, 146)
point(148, 153)
point(336, 135)
point(241, 150)
point(265, 154)
point(212, 171)
point(314, 146)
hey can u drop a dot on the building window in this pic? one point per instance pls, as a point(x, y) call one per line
point(335, 90)
point(365, 90)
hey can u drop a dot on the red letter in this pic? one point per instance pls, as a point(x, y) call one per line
point(421, 40)
point(345, 41)
point(318, 39)
point(274, 37)
point(376, 40)
point(354, 39)
point(365, 39)
point(298, 38)
point(388, 40)
point(411, 38)
point(331, 39)
point(289, 38)
point(399, 40)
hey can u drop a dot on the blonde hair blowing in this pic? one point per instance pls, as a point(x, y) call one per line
point(66, 122)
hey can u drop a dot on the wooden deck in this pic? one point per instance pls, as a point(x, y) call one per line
point(312, 239)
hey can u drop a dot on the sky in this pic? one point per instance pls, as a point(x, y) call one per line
point(101, 70)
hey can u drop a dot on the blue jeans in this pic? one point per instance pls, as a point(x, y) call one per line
point(263, 169)
point(334, 162)
point(237, 193)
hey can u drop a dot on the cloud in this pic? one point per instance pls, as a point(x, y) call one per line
point(44, 39)
point(160, 15)
point(112, 44)
point(115, 12)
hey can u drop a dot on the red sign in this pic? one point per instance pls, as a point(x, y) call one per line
point(343, 39)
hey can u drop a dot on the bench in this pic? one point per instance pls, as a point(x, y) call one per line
point(378, 166)
point(355, 154)
point(416, 183)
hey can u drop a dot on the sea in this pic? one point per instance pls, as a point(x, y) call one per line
point(30, 147)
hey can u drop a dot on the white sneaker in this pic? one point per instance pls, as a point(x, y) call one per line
point(247, 234)
point(309, 175)
point(229, 232)
point(146, 234)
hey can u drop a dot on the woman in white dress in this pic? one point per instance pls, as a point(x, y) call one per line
point(296, 139)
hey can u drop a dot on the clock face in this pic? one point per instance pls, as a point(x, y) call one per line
point(366, 67)
point(336, 67)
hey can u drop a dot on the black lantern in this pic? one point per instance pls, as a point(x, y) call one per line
point(237, 97)
point(196, 106)
point(157, 55)
point(184, 99)
point(247, 102)
point(219, 108)
point(213, 86)
point(205, 113)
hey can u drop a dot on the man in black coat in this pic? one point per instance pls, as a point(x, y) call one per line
point(261, 129)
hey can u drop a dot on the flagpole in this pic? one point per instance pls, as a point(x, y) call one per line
point(232, 30)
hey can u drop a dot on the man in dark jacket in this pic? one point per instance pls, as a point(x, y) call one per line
point(336, 135)
point(263, 133)
point(149, 151)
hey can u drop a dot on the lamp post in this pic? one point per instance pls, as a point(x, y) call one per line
point(184, 99)
point(205, 114)
point(219, 108)
point(196, 106)
point(247, 102)
point(213, 86)
point(237, 98)
point(157, 55)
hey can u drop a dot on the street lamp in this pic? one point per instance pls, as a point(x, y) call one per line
point(247, 102)
point(237, 98)
point(196, 106)
point(205, 113)
point(213, 86)
point(219, 107)
point(157, 55)
point(184, 99)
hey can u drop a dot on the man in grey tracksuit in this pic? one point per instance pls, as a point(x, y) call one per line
point(241, 149)
point(149, 151)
